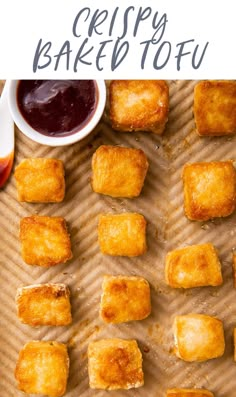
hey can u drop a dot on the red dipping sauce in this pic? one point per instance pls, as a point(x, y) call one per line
point(57, 107)
point(5, 168)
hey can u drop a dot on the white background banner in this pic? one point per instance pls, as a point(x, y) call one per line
point(88, 39)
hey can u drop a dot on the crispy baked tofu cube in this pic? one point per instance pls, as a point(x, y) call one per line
point(124, 299)
point(209, 190)
point(193, 266)
point(44, 304)
point(40, 180)
point(118, 171)
point(45, 240)
point(122, 234)
point(42, 368)
point(139, 105)
point(189, 393)
point(198, 337)
point(114, 364)
point(215, 107)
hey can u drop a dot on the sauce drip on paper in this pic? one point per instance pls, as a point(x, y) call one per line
point(5, 168)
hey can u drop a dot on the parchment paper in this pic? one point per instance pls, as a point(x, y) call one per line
point(161, 202)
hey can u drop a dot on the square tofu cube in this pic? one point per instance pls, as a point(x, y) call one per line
point(209, 190)
point(188, 393)
point(198, 337)
point(114, 364)
point(44, 304)
point(139, 105)
point(122, 234)
point(45, 240)
point(40, 180)
point(215, 107)
point(118, 171)
point(42, 368)
point(194, 266)
point(124, 299)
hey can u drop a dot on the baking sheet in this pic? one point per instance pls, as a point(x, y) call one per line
point(161, 202)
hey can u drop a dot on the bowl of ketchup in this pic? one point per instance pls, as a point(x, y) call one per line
point(56, 112)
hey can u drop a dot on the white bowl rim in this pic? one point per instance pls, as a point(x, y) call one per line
point(36, 136)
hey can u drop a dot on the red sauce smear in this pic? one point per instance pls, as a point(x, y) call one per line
point(57, 107)
point(5, 168)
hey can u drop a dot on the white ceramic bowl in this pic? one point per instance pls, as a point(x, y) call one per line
point(36, 136)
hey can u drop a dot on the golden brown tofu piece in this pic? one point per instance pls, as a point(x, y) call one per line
point(114, 364)
point(44, 304)
point(42, 368)
point(193, 266)
point(122, 234)
point(45, 240)
point(124, 299)
point(40, 180)
point(139, 105)
point(209, 190)
point(189, 393)
point(215, 107)
point(198, 337)
point(118, 171)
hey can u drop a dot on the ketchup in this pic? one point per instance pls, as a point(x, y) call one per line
point(5, 168)
point(57, 107)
